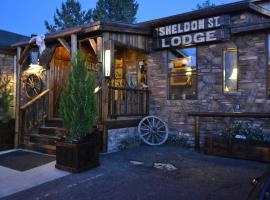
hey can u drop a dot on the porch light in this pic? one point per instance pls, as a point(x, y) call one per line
point(107, 67)
point(234, 74)
point(34, 68)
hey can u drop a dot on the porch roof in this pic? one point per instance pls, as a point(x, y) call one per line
point(95, 27)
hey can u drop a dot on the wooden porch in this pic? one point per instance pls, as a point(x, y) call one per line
point(121, 102)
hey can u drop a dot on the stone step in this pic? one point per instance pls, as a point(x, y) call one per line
point(54, 122)
point(51, 131)
point(47, 149)
point(43, 139)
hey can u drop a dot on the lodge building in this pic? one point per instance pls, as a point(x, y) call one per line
point(215, 59)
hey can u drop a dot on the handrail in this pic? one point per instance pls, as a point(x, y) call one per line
point(128, 89)
point(32, 101)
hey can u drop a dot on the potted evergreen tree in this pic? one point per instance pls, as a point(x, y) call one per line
point(7, 124)
point(79, 149)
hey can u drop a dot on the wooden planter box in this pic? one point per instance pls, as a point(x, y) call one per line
point(7, 132)
point(237, 148)
point(79, 157)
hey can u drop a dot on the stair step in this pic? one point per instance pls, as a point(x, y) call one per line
point(47, 149)
point(46, 130)
point(54, 122)
point(43, 139)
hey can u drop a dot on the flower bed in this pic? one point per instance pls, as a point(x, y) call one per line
point(242, 141)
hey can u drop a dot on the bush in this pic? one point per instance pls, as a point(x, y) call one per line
point(247, 131)
point(78, 102)
point(5, 99)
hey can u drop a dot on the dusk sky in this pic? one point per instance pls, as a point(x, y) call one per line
point(27, 16)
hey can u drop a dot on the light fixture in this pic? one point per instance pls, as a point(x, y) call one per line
point(234, 74)
point(107, 66)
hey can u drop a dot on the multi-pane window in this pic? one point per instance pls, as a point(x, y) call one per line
point(230, 70)
point(182, 77)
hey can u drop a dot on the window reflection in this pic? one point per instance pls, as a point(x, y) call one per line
point(182, 73)
point(230, 70)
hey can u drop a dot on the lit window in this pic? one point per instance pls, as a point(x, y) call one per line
point(230, 70)
point(182, 73)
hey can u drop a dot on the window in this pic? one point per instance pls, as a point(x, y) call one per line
point(182, 78)
point(230, 70)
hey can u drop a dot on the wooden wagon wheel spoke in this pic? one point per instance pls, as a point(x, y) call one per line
point(153, 131)
point(33, 85)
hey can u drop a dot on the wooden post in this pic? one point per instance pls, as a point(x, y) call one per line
point(197, 133)
point(18, 96)
point(74, 45)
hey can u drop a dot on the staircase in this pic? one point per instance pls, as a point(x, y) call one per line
point(45, 137)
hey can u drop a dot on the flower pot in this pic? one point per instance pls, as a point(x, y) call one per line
point(81, 156)
point(7, 132)
point(237, 148)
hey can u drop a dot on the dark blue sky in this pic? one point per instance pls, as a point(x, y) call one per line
point(27, 16)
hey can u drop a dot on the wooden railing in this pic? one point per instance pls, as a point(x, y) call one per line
point(33, 113)
point(128, 102)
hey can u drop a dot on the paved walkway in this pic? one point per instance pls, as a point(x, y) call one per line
point(12, 181)
point(197, 177)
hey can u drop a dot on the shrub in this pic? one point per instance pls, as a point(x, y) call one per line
point(247, 131)
point(78, 102)
point(5, 99)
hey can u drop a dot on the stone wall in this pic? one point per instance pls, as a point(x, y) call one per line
point(7, 68)
point(122, 138)
point(252, 84)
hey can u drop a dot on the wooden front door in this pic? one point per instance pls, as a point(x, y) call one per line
point(60, 68)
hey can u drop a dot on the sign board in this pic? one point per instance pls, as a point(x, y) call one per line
point(193, 32)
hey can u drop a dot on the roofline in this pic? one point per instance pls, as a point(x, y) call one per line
point(221, 9)
point(98, 26)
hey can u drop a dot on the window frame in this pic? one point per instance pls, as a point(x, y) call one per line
point(168, 76)
point(224, 71)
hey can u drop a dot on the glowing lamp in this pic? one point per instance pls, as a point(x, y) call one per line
point(107, 65)
point(234, 74)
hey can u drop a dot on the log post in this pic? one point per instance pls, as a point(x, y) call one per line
point(102, 46)
point(74, 45)
point(18, 96)
point(197, 133)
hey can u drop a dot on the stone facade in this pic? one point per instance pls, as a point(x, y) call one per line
point(7, 68)
point(252, 82)
point(123, 138)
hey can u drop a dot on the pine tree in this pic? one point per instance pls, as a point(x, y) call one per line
point(5, 98)
point(70, 15)
point(78, 106)
point(205, 4)
point(116, 10)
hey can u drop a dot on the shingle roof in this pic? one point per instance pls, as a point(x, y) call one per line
point(8, 38)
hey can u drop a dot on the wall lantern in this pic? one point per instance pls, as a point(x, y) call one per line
point(108, 63)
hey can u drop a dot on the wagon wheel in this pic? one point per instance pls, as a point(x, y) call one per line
point(33, 85)
point(153, 131)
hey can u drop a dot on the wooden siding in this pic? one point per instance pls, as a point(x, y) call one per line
point(138, 42)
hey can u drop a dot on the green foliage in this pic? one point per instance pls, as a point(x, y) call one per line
point(204, 5)
point(116, 10)
point(78, 106)
point(5, 98)
point(70, 15)
point(250, 132)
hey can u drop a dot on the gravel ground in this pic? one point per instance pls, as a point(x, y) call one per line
point(197, 177)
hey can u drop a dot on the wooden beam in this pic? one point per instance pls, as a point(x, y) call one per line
point(93, 45)
point(18, 96)
point(24, 54)
point(74, 45)
point(65, 44)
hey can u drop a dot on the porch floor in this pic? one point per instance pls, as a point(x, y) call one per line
point(131, 175)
